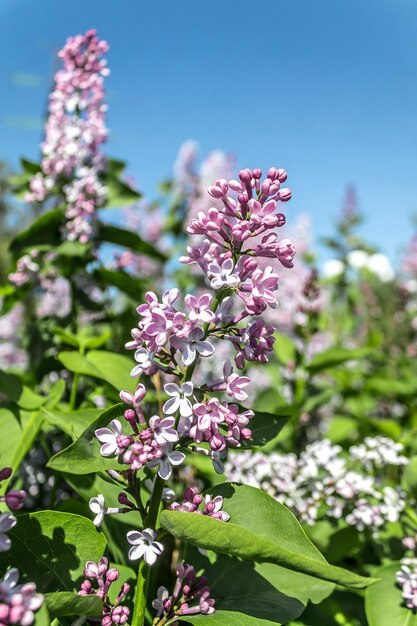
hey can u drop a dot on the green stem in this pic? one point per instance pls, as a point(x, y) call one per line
point(142, 583)
point(141, 593)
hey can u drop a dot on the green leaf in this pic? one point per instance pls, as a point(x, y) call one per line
point(258, 594)
point(111, 367)
point(123, 281)
point(384, 603)
point(119, 193)
point(51, 548)
point(74, 423)
point(115, 166)
point(62, 603)
point(264, 427)
point(30, 167)
point(409, 477)
point(284, 349)
point(83, 456)
point(44, 230)
point(10, 423)
point(391, 386)
point(42, 617)
point(23, 396)
point(261, 529)
point(335, 356)
point(128, 239)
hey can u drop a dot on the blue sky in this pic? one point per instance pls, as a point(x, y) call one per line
point(326, 89)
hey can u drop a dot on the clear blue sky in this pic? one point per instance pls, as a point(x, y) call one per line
point(325, 88)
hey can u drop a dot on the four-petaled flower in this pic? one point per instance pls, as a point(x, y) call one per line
point(200, 308)
point(144, 545)
point(166, 461)
point(109, 437)
point(232, 383)
point(163, 430)
point(190, 345)
point(144, 360)
point(223, 276)
point(179, 400)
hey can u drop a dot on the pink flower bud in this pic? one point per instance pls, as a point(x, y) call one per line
point(282, 175)
point(272, 173)
point(112, 574)
point(245, 176)
point(285, 194)
point(257, 173)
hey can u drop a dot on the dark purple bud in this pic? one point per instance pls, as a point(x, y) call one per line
point(15, 499)
point(257, 173)
point(197, 500)
point(123, 499)
point(243, 198)
point(167, 604)
point(5, 473)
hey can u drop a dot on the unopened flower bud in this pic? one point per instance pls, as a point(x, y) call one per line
point(272, 173)
point(282, 175)
point(257, 173)
point(112, 574)
point(245, 176)
point(5, 473)
point(15, 499)
point(285, 194)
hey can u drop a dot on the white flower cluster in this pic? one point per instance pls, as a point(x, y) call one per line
point(327, 482)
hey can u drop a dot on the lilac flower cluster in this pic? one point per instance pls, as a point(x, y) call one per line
point(18, 603)
point(113, 612)
point(192, 500)
point(326, 482)
point(191, 595)
point(407, 579)
point(75, 130)
point(170, 340)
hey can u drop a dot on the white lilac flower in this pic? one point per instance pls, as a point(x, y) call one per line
point(163, 430)
point(109, 438)
point(223, 276)
point(333, 268)
point(165, 462)
point(144, 361)
point(144, 545)
point(7, 521)
point(357, 258)
point(98, 507)
point(179, 399)
point(381, 266)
